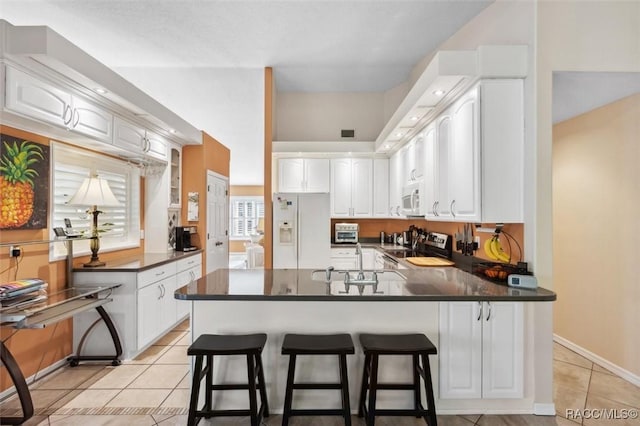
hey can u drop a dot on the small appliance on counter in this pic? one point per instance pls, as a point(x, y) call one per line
point(346, 232)
point(183, 238)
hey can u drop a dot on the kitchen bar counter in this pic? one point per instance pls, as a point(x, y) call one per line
point(432, 284)
point(140, 262)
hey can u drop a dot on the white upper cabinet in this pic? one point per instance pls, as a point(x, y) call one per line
point(303, 175)
point(430, 175)
point(395, 184)
point(351, 187)
point(381, 187)
point(34, 98)
point(156, 146)
point(138, 140)
point(175, 176)
point(443, 137)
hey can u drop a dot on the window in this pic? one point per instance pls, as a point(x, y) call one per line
point(120, 225)
point(245, 214)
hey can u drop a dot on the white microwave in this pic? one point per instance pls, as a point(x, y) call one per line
point(411, 202)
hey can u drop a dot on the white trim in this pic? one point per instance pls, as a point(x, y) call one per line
point(544, 409)
point(616, 369)
point(38, 375)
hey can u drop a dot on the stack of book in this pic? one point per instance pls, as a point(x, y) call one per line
point(19, 294)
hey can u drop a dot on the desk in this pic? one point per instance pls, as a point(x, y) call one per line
point(57, 307)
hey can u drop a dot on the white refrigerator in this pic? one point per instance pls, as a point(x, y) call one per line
point(301, 230)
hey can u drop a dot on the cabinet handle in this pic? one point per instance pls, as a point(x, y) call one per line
point(147, 145)
point(160, 289)
point(67, 109)
point(453, 213)
point(435, 210)
point(489, 313)
point(76, 118)
point(480, 312)
point(193, 276)
point(397, 210)
point(159, 273)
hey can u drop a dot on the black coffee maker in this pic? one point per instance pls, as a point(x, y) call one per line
point(183, 238)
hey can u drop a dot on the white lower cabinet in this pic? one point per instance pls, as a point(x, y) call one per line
point(143, 308)
point(481, 350)
point(344, 258)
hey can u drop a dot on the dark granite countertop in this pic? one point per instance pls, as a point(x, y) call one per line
point(140, 262)
point(427, 284)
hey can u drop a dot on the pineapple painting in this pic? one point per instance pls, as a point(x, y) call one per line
point(24, 184)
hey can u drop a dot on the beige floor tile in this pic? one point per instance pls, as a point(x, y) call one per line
point(454, 421)
point(183, 326)
point(571, 376)
point(139, 398)
point(90, 398)
point(561, 421)
point(64, 400)
point(160, 377)
point(140, 420)
point(517, 420)
point(68, 377)
point(119, 377)
point(471, 417)
point(185, 383)
point(184, 341)
point(177, 398)
point(180, 420)
point(562, 353)
point(615, 389)
point(600, 369)
point(150, 355)
point(37, 421)
point(42, 399)
point(596, 403)
point(174, 355)
point(170, 338)
point(567, 398)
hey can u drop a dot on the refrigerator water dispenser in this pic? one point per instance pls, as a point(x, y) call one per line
point(285, 233)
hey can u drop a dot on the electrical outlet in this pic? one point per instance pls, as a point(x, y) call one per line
point(15, 251)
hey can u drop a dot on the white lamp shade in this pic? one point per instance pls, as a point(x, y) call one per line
point(94, 192)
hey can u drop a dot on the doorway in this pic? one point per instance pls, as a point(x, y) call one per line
point(217, 221)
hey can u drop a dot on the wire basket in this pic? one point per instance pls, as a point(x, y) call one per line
point(496, 271)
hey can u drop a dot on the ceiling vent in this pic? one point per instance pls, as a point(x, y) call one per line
point(345, 133)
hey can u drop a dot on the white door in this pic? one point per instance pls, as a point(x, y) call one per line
point(341, 187)
point(217, 233)
point(361, 187)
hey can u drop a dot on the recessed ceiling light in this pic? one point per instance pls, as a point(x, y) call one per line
point(438, 92)
point(387, 146)
point(174, 131)
point(415, 118)
point(399, 134)
point(101, 90)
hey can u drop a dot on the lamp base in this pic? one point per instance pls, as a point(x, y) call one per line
point(94, 264)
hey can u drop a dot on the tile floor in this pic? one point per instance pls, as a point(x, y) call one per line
point(153, 389)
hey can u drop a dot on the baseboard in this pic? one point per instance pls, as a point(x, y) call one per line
point(616, 369)
point(544, 409)
point(38, 375)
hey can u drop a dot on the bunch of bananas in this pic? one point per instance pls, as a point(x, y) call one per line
point(494, 250)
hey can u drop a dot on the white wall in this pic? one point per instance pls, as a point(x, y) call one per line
point(321, 116)
point(228, 104)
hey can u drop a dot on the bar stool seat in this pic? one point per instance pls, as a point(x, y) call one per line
point(208, 345)
point(419, 347)
point(308, 344)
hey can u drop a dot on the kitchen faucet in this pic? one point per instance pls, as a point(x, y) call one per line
point(359, 253)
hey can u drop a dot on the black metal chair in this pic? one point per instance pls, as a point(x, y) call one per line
point(208, 345)
point(419, 347)
point(305, 344)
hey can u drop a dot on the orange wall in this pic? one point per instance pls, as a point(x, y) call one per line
point(237, 246)
point(196, 160)
point(37, 349)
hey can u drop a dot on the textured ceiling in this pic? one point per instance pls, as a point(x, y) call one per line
point(328, 45)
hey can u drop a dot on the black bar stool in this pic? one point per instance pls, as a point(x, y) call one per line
point(419, 347)
point(305, 344)
point(208, 345)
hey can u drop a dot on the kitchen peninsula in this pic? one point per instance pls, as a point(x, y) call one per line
point(488, 350)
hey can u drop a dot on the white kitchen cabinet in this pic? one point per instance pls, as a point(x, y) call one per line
point(137, 140)
point(430, 175)
point(378, 262)
point(156, 146)
point(395, 185)
point(351, 187)
point(344, 258)
point(143, 307)
point(443, 138)
point(175, 176)
point(303, 175)
point(368, 259)
point(381, 187)
point(34, 98)
point(481, 350)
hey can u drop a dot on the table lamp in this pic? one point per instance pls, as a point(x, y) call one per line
point(93, 192)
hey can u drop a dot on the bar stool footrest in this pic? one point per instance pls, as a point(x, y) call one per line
point(317, 386)
point(317, 412)
point(395, 386)
point(232, 386)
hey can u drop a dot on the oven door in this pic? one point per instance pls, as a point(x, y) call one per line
point(346, 236)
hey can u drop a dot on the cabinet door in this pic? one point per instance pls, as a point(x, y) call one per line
point(175, 165)
point(381, 187)
point(341, 187)
point(443, 135)
point(92, 120)
point(290, 175)
point(409, 162)
point(430, 175)
point(418, 154)
point(317, 175)
point(395, 184)
point(502, 350)
point(368, 259)
point(149, 299)
point(464, 161)
point(156, 146)
point(344, 263)
point(128, 136)
point(34, 98)
point(460, 351)
point(362, 187)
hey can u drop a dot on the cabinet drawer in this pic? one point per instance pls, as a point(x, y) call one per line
point(156, 274)
point(189, 262)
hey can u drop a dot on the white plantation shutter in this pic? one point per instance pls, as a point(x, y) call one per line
point(244, 215)
point(70, 168)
